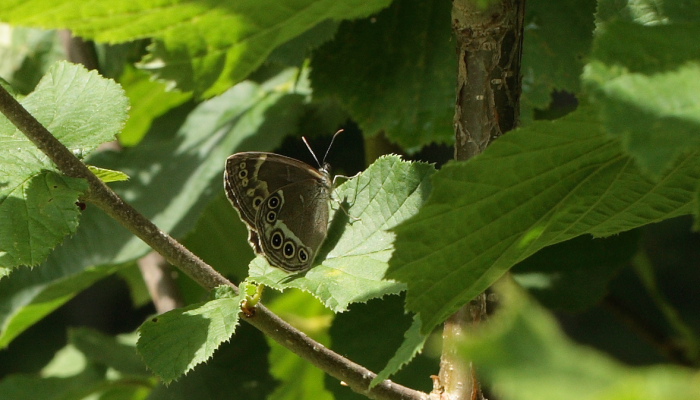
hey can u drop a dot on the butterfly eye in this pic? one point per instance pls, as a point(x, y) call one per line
point(289, 249)
point(244, 182)
point(257, 201)
point(242, 174)
point(271, 216)
point(276, 240)
point(303, 256)
point(242, 165)
point(273, 201)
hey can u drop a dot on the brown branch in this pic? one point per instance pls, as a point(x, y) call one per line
point(489, 42)
point(354, 375)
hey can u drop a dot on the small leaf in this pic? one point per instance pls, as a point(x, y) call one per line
point(175, 342)
point(108, 175)
point(355, 255)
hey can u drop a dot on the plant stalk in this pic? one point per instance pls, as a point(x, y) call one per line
point(489, 42)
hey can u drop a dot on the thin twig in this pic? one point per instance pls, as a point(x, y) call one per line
point(352, 374)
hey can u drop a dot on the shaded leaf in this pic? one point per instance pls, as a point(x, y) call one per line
point(574, 275)
point(412, 345)
point(556, 42)
point(399, 72)
point(114, 352)
point(523, 350)
point(238, 370)
point(646, 91)
point(299, 379)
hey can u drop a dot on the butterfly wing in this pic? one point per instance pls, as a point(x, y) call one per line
point(293, 222)
point(251, 177)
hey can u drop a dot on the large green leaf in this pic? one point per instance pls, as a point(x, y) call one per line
point(394, 72)
point(538, 186)
point(174, 175)
point(37, 206)
point(524, 354)
point(646, 87)
point(355, 256)
point(204, 46)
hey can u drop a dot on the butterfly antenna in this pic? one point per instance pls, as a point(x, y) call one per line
point(331, 145)
point(310, 150)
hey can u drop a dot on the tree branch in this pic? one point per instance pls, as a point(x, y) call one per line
point(352, 374)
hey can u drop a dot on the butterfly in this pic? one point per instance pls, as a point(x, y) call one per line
point(284, 203)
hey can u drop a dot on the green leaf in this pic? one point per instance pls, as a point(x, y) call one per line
point(204, 46)
point(36, 215)
point(173, 343)
point(149, 100)
point(220, 239)
point(26, 54)
point(412, 345)
point(646, 90)
point(115, 352)
point(564, 179)
point(37, 206)
point(299, 379)
point(175, 174)
point(355, 255)
point(238, 370)
point(32, 387)
point(557, 40)
point(526, 356)
point(370, 335)
point(574, 275)
point(108, 175)
point(399, 72)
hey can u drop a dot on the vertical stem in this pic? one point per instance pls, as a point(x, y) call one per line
point(489, 42)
